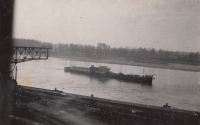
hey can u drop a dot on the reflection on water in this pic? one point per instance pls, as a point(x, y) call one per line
point(180, 89)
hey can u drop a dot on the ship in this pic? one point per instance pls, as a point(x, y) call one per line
point(104, 72)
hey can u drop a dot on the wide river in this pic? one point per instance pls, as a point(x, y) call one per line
point(180, 89)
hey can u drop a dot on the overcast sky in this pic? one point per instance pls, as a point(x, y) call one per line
point(160, 24)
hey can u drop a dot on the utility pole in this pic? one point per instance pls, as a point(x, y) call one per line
point(16, 74)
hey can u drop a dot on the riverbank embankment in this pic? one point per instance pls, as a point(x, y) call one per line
point(173, 66)
point(78, 110)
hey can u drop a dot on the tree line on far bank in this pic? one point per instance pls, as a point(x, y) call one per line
point(103, 50)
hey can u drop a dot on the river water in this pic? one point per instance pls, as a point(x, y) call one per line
point(180, 89)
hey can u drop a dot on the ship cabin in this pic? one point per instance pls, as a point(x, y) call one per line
point(100, 69)
point(93, 69)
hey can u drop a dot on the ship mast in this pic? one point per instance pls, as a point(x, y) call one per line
point(143, 71)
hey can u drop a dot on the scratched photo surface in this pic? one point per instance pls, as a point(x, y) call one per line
point(107, 61)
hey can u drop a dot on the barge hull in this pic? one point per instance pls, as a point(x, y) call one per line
point(126, 78)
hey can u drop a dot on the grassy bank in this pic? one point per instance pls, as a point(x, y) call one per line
point(174, 66)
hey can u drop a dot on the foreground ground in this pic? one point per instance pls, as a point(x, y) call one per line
point(174, 66)
point(54, 107)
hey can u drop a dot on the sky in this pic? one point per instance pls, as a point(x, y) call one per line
point(161, 24)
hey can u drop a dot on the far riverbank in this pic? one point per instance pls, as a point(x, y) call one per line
point(173, 66)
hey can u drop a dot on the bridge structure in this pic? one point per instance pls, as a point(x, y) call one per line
point(22, 54)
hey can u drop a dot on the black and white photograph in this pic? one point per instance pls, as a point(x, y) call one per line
point(100, 62)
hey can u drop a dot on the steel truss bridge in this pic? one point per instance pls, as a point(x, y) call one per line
point(23, 54)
